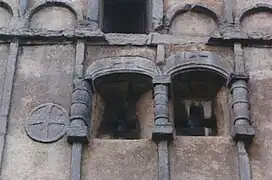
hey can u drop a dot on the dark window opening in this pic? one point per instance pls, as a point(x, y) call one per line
point(121, 93)
point(125, 16)
point(194, 95)
point(195, 118)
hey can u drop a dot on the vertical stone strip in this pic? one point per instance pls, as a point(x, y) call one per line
point(228, 11)
point(157, 13)
point(243, 132)
point(239, 60)
point(80, 53)
point(164, 168)
point(93, 10)
point(244, 163)
point(163, 129)
point(76, 161)
point(23, 6)
point(6, 95)
point(80, 113)
point(160, 54)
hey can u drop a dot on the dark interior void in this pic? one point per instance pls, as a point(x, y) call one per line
point(120, 93)
point(194, 94)
point(125, 16)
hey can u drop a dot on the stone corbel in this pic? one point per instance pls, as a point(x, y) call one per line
point(80, 114)
point(242, 129)
point(163, 129)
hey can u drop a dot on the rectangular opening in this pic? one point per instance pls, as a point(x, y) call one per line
point(124, 16)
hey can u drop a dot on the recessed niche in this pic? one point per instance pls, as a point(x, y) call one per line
point(124, 16)
point(120, 93)
point(194, 96)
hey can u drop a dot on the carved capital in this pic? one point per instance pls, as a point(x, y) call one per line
point(235, 76)
point(80, 113)
point(78, 134)
point(163, 79)
point(163, 132)
point(243, 132)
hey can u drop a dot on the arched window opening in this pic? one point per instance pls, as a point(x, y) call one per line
point(121, 93)
point(124, 16)
point(194, 97)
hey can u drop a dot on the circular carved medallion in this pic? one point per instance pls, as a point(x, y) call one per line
point(47, 123)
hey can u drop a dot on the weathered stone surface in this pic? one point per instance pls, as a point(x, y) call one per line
point(258, 24)
point(126, 39)
point(119, 160)
point(240, 5)
point(44, 74)
point(53, 18)
point(181, 40)
point(201, 158)
point(79, 4)
point(223, 112)
point(193, 24)
point(94, 53)
point(5, 17)
point(225, 52)
point(215, 5)
point(4, 49)
point(144, 111)
point(258, 63)
point(47, 123)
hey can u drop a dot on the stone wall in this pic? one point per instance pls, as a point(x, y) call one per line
point(47, 49)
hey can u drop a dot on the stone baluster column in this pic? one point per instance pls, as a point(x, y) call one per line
point(163, 129)
point(78, 131)
point(243, 132)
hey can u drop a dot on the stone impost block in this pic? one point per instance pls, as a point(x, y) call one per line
point(162, 132)
point(78, 134)
point(242, 132)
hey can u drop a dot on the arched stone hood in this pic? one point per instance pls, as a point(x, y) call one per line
point(194, 61)
point(124, 64)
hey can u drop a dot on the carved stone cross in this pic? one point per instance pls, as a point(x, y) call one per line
point(47, 123)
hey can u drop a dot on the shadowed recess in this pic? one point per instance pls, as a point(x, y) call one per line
point(124, 16)
point(121, 92)
point(194, 94)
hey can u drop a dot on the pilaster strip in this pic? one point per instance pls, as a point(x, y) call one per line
point(93, 10)
point(164, 170)
point(78, 131)
point(23, 6)
point(243, 132)
point(76, 161)
point(244, 164)
point(6, 95)
point(228, 10)
point(160, 54)
point(80, 53)
point(238, 57)
point(163, 130)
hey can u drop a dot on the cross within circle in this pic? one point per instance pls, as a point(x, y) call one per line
point(47, 123)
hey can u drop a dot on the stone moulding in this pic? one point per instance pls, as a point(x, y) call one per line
point(49, 3)
point(252, 10)
point(232, 32)
point(191, 61)
point(124, 64)
point(6, 6)
point(198, 8)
